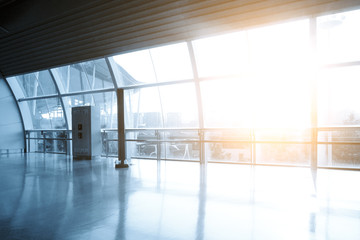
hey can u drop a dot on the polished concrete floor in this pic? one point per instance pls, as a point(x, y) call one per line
point(48, 196)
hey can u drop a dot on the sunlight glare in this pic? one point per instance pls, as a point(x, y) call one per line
point(270, 89)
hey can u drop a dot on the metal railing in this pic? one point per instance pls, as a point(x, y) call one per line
point(208, 144)
point(49, 141)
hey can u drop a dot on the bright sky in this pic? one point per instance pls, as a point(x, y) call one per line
point(264, 75)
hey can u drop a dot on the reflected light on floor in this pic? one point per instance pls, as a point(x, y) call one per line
point(48, 196)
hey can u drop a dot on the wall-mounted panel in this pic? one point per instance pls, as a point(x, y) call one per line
point(11, 127)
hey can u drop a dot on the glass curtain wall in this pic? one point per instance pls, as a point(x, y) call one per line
point(161, 104)
point(260, 84)
point(338, 98)
point(43, 110)
point(46, 98)
point(253, 96)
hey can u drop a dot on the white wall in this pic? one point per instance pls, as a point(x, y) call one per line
point(11, 128)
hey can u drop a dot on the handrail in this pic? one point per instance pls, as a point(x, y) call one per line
point(321, 128)
point(197, 137)
point(49, 130)
point(60, 139)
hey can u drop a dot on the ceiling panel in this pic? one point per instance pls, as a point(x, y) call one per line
point(53, 33)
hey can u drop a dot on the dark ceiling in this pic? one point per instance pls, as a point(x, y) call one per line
point(39, 34)
point(19, 15)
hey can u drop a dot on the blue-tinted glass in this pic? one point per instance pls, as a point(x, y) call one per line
point(161, 64)
point(46, 113)
point(84, 76)
point(34, 84)
point(167, 106)
point(143, 108)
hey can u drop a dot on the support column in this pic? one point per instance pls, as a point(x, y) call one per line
point(56, 84)
point(199, 103)
point(121, 162)
point(314, 122)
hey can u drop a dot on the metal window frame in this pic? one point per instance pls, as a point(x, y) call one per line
point(315, 128)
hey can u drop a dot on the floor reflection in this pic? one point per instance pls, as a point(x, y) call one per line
point(49, 196)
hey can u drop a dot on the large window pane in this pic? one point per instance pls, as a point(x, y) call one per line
point(144, 135)
point(109, 142)
point(281, 101)
point(280, 74)
point(283, 134)
point(239, 134)
point(338, 96)
point(182, 144)
point(228, 152)
point(34, 84)
point(105, 101)
point(144, 144)
point(108, 109)
point(172, 144)
point(161, 64)
point(143, 108)
point(172, 62)
point(179, 106)
point(144, 149)
point(83, 76)
point(347, 134)
point(36, 145)
point(47, 113)
point(258, 102)
point(172, 106)
point(282, 47)
point(221, 55)
point(289, 154)
point(339, 155)
point(228, 145)
point(227, 103)
point(338, 37)
point(56, 146)
point(49, 141)
point(133, 68)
